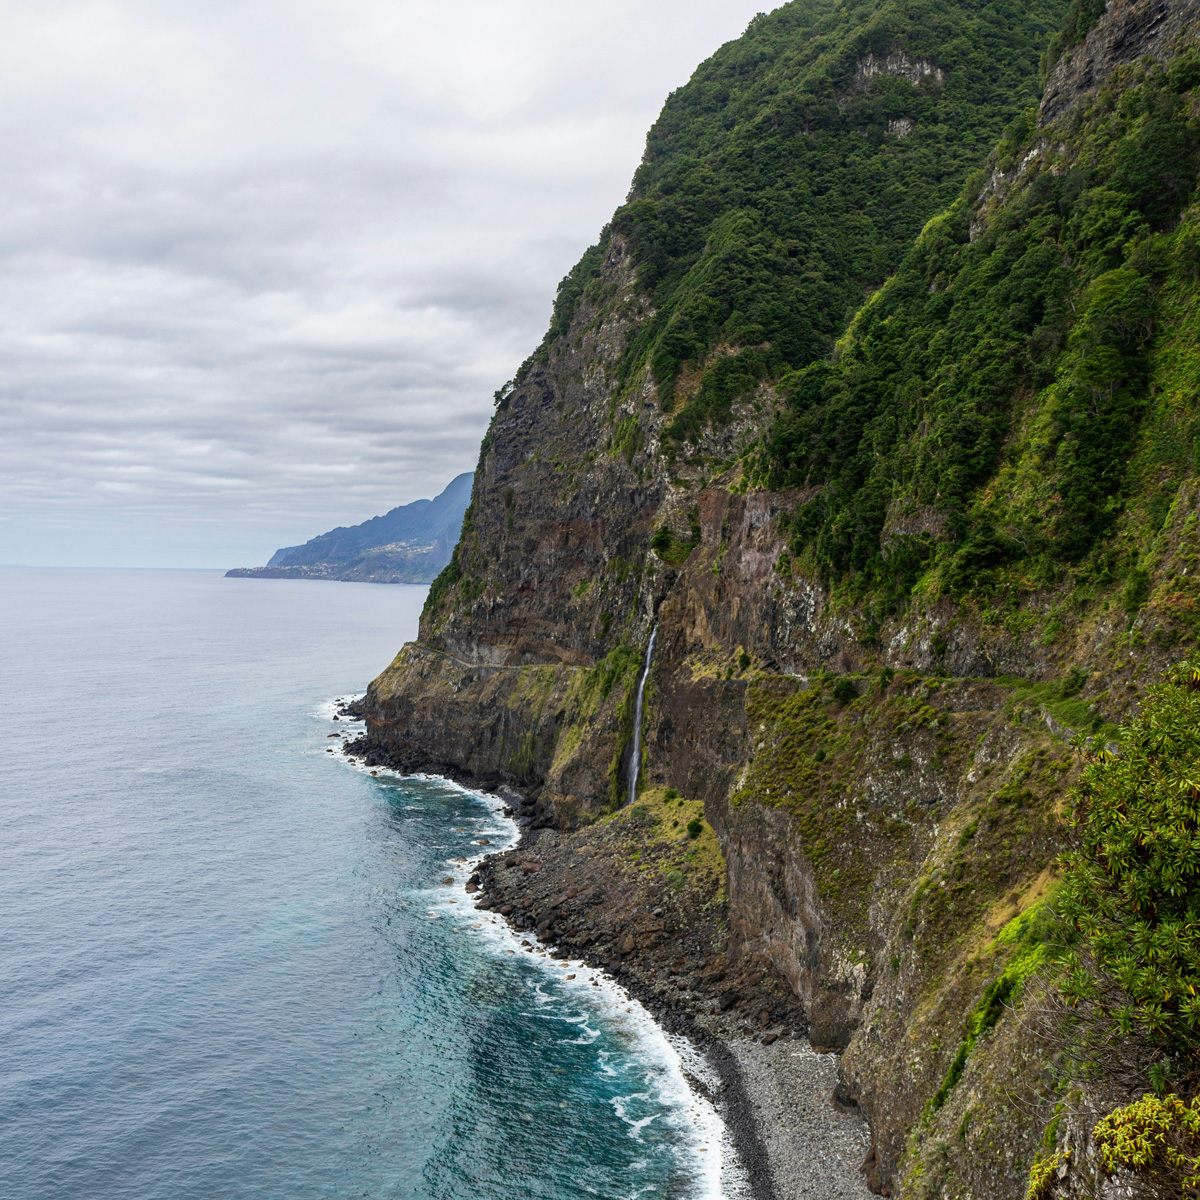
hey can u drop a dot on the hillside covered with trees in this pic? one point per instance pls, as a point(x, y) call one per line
point(874, 411)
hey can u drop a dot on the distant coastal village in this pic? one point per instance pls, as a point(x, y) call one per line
point(409, 544)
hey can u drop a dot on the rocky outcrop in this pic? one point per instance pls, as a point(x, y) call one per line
point(1128, 30)
point(641, 892)
point(912, 69)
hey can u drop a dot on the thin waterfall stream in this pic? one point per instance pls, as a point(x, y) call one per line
point(635, 759)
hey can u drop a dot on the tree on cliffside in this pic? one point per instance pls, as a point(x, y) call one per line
point(1132, 888)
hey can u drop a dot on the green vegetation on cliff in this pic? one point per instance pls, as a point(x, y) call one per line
point(820, 757)
point(1020, 386)
point(1129, 905)
point(782, 183)
point(1156, 1138)
point(1133, 886)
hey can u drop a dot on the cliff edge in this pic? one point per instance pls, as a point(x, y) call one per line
point(878, 401)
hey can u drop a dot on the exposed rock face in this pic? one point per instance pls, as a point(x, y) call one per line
point(554, 508)
point(886, 837)
point(914, 70)
point(1128, 30)
point(639, 894)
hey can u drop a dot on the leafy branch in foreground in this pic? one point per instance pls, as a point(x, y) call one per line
point(1131, 888)
point(1157, 1137)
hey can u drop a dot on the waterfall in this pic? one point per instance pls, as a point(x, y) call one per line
point(635, 759)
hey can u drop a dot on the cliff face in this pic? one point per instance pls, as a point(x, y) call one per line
point(1128, 31)
point(884, 763)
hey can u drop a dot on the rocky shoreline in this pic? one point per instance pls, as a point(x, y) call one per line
point(790, 1137)
point(613, 895)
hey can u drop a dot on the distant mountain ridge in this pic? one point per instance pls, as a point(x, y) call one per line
point(409, 544)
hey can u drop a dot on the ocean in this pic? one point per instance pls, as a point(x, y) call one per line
point(229, 964)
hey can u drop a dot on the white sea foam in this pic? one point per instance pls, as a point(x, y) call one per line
point(587, 1035)
point(650, 1187)
point(671, 1060)
point(636, 1125)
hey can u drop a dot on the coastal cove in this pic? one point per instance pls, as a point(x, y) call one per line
point(232, 965)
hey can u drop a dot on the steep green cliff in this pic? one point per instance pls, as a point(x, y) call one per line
point(879, 399)
point(783, 182)
point(1016, 388)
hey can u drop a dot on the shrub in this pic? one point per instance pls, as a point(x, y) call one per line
point(1072, 683)
point(1184, 72)
point(1043, 1176)
point(1137, 590)
point(449, 576)
point(845, 690)
point(671, 549)
point(695, 827)
point(1131, 888)
point(1155, 1137)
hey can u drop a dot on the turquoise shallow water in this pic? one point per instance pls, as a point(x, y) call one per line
point(228, 967)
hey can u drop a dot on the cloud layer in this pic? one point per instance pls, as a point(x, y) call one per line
point(263, 264)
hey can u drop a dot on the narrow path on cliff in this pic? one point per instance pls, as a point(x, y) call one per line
point(462, 662)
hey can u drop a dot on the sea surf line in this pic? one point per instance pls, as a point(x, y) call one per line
point(228, 966)
point(672, 1058)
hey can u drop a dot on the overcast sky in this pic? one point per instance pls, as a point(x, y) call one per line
point(262, 264)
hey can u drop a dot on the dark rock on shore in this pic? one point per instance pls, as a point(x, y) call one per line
point(636, 894)
point(613, 894)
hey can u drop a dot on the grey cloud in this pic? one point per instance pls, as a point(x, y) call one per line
point(262, 266)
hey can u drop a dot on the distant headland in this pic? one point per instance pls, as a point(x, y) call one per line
point(410, 544)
